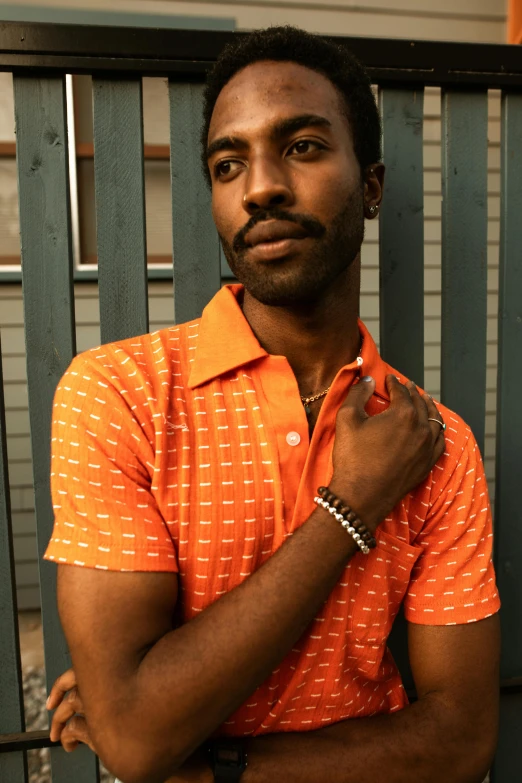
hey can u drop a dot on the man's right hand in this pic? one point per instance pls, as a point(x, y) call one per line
point(70, 728)
point(68, 724)
point(379, 459)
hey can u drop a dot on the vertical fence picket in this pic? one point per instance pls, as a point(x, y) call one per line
point(41, 140)
point(197, 272)
point(120, 207)
point(401, 263)
point(401, 233)
point(13, 766)
point(464, 256)
point(508, 532)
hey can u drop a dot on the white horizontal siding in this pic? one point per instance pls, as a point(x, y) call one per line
point(490, 9)
point(462, 20)
point(9, 223)
point(363, 18)
point(7, 129)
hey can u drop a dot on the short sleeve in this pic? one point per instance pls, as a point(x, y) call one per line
point(102, 462)
point(453, 581)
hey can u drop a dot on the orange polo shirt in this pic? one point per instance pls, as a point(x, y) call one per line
point(187, 450)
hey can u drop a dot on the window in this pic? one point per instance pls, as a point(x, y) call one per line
point(81, 154)
point(9, 222)
point(157, 171)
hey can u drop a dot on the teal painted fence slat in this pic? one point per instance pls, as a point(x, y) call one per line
point(401, 265)
point(13, 766)
point(120, 208)
point(41, 139)
point(509, 411)
point(197, 272)
point(401, 233)
point(464, 256)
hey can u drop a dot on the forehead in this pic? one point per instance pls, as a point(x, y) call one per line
point(267, 91)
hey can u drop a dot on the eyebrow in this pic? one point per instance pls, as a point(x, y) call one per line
point(279, 130)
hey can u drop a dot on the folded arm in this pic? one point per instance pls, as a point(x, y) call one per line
point(449, 734)
point(153, 693)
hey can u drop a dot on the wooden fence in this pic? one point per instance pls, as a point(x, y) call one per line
point(40, 56)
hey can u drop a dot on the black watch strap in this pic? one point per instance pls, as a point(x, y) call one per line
point(228, 759)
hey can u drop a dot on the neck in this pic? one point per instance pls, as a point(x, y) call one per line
point(318, 338)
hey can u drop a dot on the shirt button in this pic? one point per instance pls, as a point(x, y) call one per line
point(293, 439)
point(360, 360)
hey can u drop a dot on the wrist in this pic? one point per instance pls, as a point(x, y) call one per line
point(363, 505)
point(228, 759)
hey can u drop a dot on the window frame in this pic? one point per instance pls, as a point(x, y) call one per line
point(12, 273)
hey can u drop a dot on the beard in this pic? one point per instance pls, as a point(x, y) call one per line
point(303, 280)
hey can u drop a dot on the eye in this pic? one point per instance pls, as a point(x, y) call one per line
point(304, 146)
point(224, 167)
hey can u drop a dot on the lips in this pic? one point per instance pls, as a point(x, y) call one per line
point(274, 231)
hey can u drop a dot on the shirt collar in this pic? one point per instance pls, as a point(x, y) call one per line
point(226, 341)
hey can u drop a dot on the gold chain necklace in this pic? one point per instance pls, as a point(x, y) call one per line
point(307, 400)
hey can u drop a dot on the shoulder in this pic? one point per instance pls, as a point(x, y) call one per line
point(116, 362)
point(458, 471)
point(458, 435)
point(459, 438)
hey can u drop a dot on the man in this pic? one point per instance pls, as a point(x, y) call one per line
point(204, 589)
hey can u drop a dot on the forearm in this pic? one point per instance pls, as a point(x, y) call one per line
point(194, 677)
point(424, 743)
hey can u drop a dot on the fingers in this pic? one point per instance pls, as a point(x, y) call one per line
point(64, 683)
point(69, 727)
point(440, 446)
point(433, 413)
point(423, 404)
point(358, 396)
point(68, 707)
point(76, 731)
point(424, 407)
point(397, 391)
point(419, 402)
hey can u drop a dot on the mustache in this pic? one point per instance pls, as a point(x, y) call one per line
point(313, 227)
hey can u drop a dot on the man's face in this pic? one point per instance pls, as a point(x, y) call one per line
point(287, 193)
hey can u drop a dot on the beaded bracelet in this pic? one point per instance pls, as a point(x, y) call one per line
point(347, 517)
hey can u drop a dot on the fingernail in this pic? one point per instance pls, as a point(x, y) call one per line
point(367, 378)
point(47, 702)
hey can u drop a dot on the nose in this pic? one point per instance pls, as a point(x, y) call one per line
point(266, 186)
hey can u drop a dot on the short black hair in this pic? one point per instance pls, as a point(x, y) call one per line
point(291, 44)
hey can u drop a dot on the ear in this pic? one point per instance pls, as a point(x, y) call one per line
point(373, 189)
